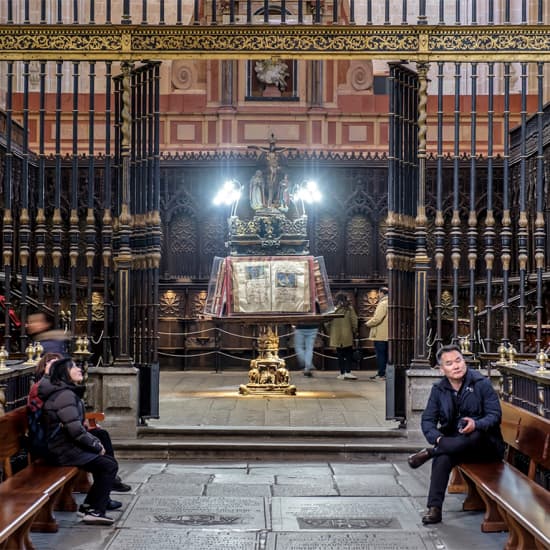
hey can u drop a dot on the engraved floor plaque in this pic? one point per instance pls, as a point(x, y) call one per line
point(311, 489)
point(173, 489)
point(232, 490)
point(344, 513)
point(352, 541)
point(234, 513)
point(172, 539)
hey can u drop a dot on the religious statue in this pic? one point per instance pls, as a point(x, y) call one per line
point(271, 186)
point(272, 72)
point(284, 193)
point(256, 190)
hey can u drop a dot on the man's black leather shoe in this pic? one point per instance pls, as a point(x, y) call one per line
point(416, 460)
point(433, 515)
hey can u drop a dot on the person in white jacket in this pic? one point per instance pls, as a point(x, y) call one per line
point(378, 325)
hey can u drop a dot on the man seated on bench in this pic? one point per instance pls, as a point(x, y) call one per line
point(69, 443)
point(461, 421)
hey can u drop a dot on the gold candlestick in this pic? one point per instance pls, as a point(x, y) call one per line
point(3, 358)
point(542, 358)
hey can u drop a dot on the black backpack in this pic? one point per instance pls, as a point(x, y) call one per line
point(37, 430)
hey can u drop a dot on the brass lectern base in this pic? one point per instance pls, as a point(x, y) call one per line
point(267, 389)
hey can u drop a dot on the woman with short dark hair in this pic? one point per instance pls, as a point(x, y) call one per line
point(69, 443)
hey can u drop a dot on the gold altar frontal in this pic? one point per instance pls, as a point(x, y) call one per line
point(268, 373)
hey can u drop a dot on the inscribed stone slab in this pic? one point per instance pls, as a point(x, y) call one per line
point(362, 469)
point(188, 477)
point(369, 485)
point(239, 513)
point(239, 489)
point(172, 489)
point(309, 489)
point(176, 539)
point(402, 540)
point(344, 513)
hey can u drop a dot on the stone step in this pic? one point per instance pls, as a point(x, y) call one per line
point(261, 442)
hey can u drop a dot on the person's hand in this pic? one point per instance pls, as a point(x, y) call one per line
point(102, 452)
point(469, 427)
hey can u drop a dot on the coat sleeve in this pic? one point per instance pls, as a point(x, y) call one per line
point(71, 420)
point(491, 407)
point(379, 314)
point(430, 418)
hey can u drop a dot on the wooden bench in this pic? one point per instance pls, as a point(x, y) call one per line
point(514, 501)
point(29, 497)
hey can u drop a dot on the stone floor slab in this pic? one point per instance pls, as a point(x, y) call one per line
point(369, 485)
point(172, 539)
point(352, 541)
point(239, 513)
point(343, 513)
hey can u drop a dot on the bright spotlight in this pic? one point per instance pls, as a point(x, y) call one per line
point(230, 193)
point(308, 192)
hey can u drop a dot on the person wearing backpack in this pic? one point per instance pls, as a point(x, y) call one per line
point(70, 443)
point(36, 433)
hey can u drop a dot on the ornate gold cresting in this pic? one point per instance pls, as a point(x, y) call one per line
point(416, 43)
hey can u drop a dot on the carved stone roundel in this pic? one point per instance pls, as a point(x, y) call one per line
point(360, 75)
point(183, 74)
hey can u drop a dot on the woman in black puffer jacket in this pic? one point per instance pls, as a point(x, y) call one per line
point(69, 443)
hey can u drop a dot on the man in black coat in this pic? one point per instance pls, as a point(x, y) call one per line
point(461, 421)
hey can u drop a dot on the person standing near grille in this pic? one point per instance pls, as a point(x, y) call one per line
point(378, 325)
point(342, 330)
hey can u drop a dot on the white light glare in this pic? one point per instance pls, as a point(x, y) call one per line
point(309, 192)
point(230, 193)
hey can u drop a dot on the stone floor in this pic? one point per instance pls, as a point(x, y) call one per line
point(207, 398)
point(368, 505)
point(373, 503)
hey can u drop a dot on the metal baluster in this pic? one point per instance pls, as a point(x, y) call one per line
point(90, 219)
point(107, 225)
point(108, 12)
point(56, 231)
point(540, 233)
point(9, 22)
point(422, 18)
point(7, 222)
point(300, 11)
point(144, 12)
point(352, 12)
point(369, 12)
point(92, 12)
point(161, 12)
point(59, 12)
point(491, 14)
point(126, 17)
point(75, 11)
point(40, 232)
point(472, 216)
point(523, 11)
point(26, 16)
point(441, 12)
point(74, 221)
point(457, 13)
point(387, 12)
point(507, 11)
point(43, 12)
point(214, 10)
point(25, 228)
point(489, 233)
point(456, 235)
point(157, 227)
point(266, 11)
point(523, 232)
point(540, 12)
point(335, 12)
point(439, 231)
point(474, 12)
point(232, 10)
point(506, 233)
